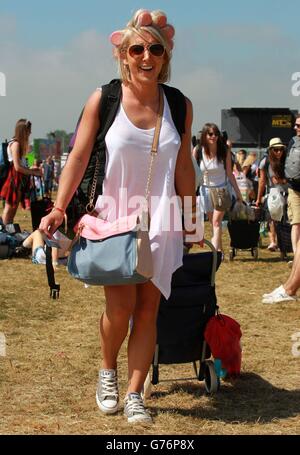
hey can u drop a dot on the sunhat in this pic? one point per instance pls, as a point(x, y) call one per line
point(275, 142)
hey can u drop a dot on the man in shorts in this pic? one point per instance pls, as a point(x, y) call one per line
point(294, 198)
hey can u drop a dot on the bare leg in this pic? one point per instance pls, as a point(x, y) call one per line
point(120, 303)
point(295, 236)
point(293, 283)
point(272, 233)
point(217, 229)
point(210, 219)
point(34, 240)
point(9, 213)
point(142, 339)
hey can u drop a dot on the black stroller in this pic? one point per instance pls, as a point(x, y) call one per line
point(183, 317)
point(244, 233)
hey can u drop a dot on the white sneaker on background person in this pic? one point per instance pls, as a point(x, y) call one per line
point(279, 296)
point(280, 288)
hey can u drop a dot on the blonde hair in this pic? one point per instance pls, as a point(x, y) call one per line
point(249, 160)
point(133, 28)
point(240, 157)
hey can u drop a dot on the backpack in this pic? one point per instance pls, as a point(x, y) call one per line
point(110, 101)
point(4, 163)
point(292, 164)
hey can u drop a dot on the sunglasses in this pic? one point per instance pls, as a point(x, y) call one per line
point(297, 125)
point(136, 50)
point(278, 149)
point(212, 134)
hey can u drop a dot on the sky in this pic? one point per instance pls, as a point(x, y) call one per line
point(227, 54)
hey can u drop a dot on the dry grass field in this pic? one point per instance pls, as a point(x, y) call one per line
point(49, 374)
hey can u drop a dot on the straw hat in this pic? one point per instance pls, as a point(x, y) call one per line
point(276, 142)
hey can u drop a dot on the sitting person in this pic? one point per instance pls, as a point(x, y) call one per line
point(36, 243)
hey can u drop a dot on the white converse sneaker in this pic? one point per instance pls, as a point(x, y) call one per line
point(280, 288)
point(107, 394)
point(279, 297)
point(135, 410)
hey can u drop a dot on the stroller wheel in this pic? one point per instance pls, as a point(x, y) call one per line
point(211, 380)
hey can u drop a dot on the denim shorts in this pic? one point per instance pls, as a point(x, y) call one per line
point(206, 199)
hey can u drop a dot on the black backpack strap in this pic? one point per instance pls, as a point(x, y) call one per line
point(109, 105)
point(177, 103)
point(54, 288)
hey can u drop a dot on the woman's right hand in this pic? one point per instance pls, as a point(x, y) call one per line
point(50, 223)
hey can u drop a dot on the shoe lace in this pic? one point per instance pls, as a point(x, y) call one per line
point(109, 387)
point(135, 406)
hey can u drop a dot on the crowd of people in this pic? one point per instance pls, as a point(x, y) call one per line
point(143, 51)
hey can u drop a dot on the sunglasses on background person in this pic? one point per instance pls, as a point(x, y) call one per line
point(212, 134)
point(157, 49)
point(278, 149)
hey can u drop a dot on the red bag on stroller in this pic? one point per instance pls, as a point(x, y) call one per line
point(223, 334)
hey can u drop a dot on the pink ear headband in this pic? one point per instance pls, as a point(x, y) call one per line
point(145, 19)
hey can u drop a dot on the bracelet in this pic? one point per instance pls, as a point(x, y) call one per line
point(60, 210)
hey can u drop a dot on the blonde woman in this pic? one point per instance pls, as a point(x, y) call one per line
point(143, 51)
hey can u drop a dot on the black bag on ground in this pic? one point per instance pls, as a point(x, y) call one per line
point(11, 240)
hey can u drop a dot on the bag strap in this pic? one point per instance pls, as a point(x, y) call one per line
point(154, 148)
point(54, 288)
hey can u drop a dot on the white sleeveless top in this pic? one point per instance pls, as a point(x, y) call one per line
point(213, 171)
point(10, 156)
point(127, 166)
